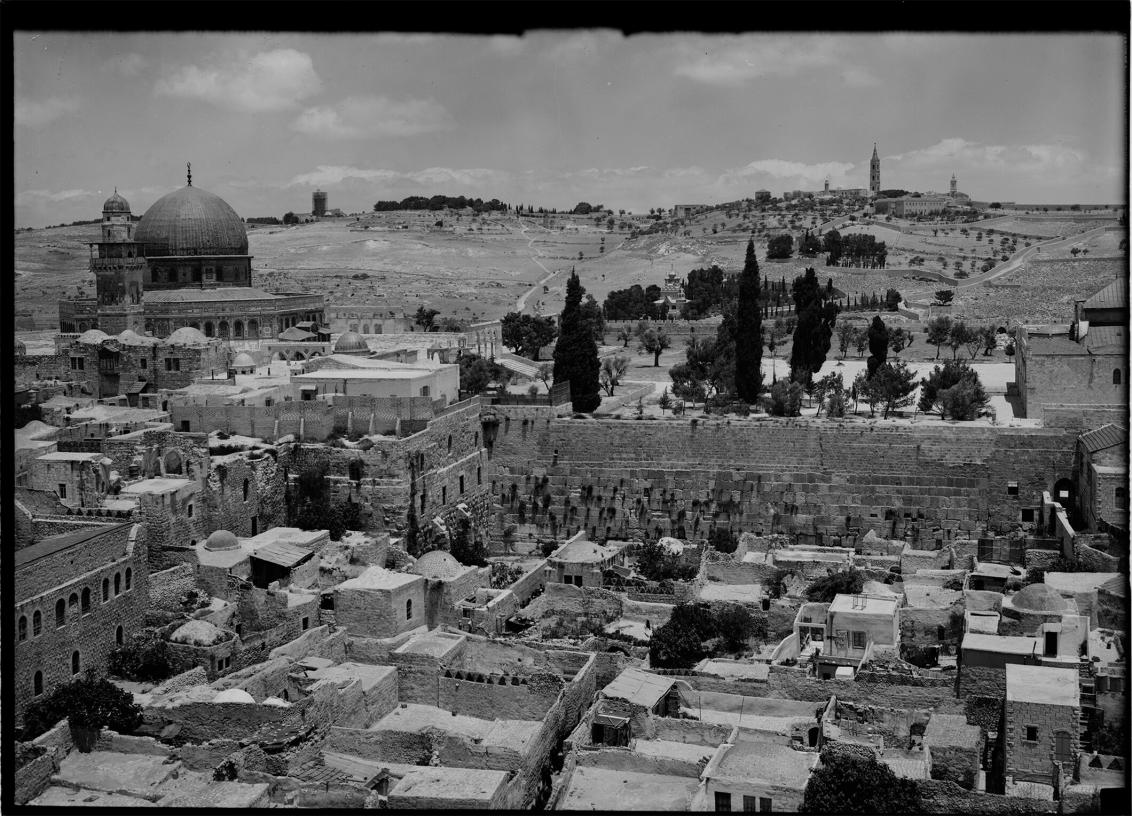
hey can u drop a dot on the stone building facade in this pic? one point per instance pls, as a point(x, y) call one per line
point(1041, 725)
point(78, 596)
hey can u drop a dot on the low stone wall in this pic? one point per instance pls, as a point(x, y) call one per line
point(940, 796)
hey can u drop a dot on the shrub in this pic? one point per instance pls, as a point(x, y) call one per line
point(964, 403)
point(850, 782)
point(723, 539)
point(142, 659)
point(88, 703)
point(823, 590)
point(785, 399)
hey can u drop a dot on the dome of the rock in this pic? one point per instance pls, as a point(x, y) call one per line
point(191, 221)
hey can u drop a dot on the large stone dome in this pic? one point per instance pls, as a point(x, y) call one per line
point(191, 221)
point(221, 540)
point(186, 336)
point(438, 564)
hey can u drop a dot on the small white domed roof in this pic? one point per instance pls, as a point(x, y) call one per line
point(673, 545)
point(351, 343)
point(186, 336)
point(129, 337)
point(197, 633)
point(243, 360)
point(275, 701)
point(233, 695)
point(222, 540)
point(438, 564)
point(92, 337)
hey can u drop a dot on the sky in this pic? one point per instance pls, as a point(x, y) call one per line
point(554, 118)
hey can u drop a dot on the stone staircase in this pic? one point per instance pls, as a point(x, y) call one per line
point(1088, 702)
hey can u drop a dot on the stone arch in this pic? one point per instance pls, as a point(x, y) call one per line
point(222, 329)
point(238, 330)
point(1064, 493)
point(365, 328)
point(253, 329)
point(209, 330)
point(173, 463)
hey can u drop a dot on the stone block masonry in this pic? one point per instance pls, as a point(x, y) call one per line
point(673, 476)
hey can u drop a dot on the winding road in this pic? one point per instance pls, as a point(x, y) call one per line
point(1027, 254)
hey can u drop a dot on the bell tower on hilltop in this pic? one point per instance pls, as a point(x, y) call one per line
point(874, 172)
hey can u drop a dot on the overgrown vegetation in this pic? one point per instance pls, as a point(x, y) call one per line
point(142, 659)
point(851, 782)
point(89, 702)
point(823, 590)
point(309, 505)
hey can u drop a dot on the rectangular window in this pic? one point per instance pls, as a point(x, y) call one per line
point(858, 640)
point(1028, 514)
point(172, 364)
point(1031, 733)
point(78, 364)
point(750, 804)
point(189, 513)
point(722, 802)
point(185, 425)
point(444, 495)
point(143, 362)
point(764, 804)
point(306, 624)
point(1012, 488)
point(62, 491)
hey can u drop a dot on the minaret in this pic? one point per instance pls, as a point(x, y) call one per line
point(827, 184)
point(119, 269)
point(954, 185)
point(874, 172)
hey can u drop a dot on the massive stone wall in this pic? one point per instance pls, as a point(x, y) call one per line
point(677, 475)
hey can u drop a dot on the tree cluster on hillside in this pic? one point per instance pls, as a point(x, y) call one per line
point(525, 334)
point(780, 247)
point(856, 249)
point(575, 355)
point(706, 291)
point(441, 202)
point(891, 386)
point(633, 303)
point(871, 302)
point(680, 643)
point(656, 563)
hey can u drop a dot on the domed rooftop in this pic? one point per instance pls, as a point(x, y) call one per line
point(351, 343)
point(116, 204)
point(197, 633)
point(222, 540)
point(243, 360)
point(186, 336)
point(129, 337)
point(93, 337)
point(1038, 598)
point(438, 564)
point(191, 221)
point(673, 545)
point(233, 695)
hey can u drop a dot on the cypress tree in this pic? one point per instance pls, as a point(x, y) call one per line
point(749, 331)
point(575, 355)
point(878, 345)
point(814, 330)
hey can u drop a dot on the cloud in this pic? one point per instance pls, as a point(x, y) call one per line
point(796, 175)
point(359, 117)
point(35, 113)
point(53, 196)
point(268, 81)
point(958, 152)
point(326, 175)
point(130, 64)
point(735, 61)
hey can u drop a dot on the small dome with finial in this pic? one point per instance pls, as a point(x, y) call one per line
point(116, 204)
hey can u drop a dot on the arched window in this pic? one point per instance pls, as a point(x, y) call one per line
point(105, 590)
point(173, 463)
point(479, 476)
point(247, 485)
point(1116, 376)
point(36, 623)
point(22, 629)
point(75, 662)
point(37, 684)
point(450, 443)
point(409, 609)
point(60, 613)
point(86, 601)
point(119, 636)
point(117, 584)
point(222, 329)
point(73, 604)
point(238, 330)
point(129, 578)
point(209, 331)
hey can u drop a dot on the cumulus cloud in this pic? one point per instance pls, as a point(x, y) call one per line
point(267, 81)
point(736, 60)
point(35, 113)
point(955, 151)
point(359, 117)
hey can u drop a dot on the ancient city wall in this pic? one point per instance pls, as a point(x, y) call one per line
point(679, 475)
